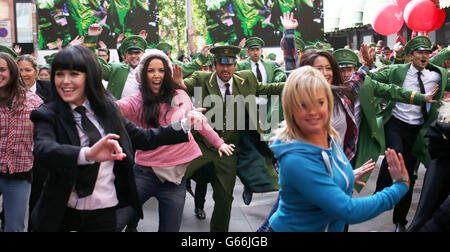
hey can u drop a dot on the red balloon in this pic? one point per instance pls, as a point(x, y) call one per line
point(421, 15)
point(402, 3)
point(388, 20)
point(439, 20)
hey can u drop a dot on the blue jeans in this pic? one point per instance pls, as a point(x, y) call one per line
point(16, 193)
point(171, 198)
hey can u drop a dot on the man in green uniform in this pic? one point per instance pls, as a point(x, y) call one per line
point(237, 91)
point(121, 77)
point(405, 124)
point(189, 68)
point(266, 71)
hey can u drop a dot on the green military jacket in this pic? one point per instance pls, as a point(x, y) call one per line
point(204, 87)
point(274, 73)
point(396, 74)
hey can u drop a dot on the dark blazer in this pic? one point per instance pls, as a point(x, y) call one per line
point(57, 145)
point(44, 90)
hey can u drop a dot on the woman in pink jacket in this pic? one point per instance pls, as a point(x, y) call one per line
point(160, 172)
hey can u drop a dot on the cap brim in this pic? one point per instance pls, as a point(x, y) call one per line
point(227, 60)
point(134, 50)
point(423, 49)
point(344, 65)
point(254, 46)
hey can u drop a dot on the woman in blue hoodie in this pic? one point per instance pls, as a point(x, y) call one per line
point(316, 178)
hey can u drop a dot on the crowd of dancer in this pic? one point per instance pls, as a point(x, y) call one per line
point(85, 142)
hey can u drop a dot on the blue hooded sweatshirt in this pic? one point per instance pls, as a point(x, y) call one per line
point(316, 190)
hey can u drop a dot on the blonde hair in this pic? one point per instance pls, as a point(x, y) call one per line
point(301, 88)
point(444, 111)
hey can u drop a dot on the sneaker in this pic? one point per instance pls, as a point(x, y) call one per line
point(200, 214)
point(247, 197)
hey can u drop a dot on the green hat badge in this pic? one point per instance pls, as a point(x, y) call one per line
point(421, 43)
point(346, 57)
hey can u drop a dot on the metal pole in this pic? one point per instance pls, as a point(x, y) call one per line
point(188, 22)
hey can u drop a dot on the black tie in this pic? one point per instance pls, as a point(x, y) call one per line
point(87, 174)
point(258, 73)
point(227, 92)
point(422, 90)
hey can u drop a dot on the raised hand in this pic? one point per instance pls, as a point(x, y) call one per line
point(288, 21)
point(397, 167)
point(95, 30)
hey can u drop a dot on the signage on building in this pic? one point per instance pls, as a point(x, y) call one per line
point(5, 33)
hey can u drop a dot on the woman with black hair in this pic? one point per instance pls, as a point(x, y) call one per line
point(88, 147)
point(158, 173)
point(16, 141)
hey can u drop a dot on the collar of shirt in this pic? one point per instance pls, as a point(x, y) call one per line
point(222, 86)
point(33, 88)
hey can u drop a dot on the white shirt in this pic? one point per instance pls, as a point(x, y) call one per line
point(339, 122)
point(262, 69)
point(409, 113)
point(104, 194)
point(131, 85)
point(33, 89)
point(223, 88)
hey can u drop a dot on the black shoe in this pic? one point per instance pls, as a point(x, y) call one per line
point(247, 197)
point(200, 214)
point(400, 227)
point(131, 230)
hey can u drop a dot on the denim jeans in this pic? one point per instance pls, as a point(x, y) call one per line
point(171, 198)
point(16, 193)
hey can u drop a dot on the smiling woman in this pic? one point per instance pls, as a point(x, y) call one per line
point(16, 141)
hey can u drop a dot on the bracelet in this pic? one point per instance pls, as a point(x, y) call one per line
point(401, 180)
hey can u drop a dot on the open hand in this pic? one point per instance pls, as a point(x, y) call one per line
point(227, 149)
point(105, 149)
point(396, 164)
point(429, 96)
point(362, 171)
point(288, 21)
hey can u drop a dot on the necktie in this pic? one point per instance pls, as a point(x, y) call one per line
point(87, 174)
point(258, 73)
point(227, 92)
point(422, 90)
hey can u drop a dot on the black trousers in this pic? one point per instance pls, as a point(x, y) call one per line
point(400, 136)
point(100, 220)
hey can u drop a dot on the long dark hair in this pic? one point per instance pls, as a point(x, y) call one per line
point(151, 101)
point(81, 59)
point(338, 87)
point(15, 90)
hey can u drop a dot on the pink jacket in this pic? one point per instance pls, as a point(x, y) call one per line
point(169, 155)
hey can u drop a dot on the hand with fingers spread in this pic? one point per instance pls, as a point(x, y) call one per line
point(288, 21)
point(106, 149)
point(195, 119)
point(364, 56)
point(397, 167)
point(228, 149)
point(362, 171)
point(429, 96)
